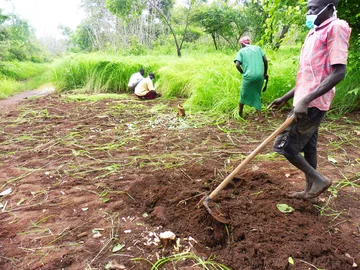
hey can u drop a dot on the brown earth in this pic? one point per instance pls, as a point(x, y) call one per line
point(86, 177)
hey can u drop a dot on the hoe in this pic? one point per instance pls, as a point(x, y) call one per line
point(208, 202)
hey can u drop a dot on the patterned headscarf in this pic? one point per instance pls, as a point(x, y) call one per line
point(245, 40)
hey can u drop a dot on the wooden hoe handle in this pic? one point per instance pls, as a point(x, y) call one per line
point(250, 157)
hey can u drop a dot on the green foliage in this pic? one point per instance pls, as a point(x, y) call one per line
point(126, 9)
point(97, 73)
point(198, 262)
point(282, 15)
point(135, 47)
point(9, 87)
point(208, 81)
point(21, 70)
point(227, 23)
point(255, 17)
point(107, 76)
point(81, 39)
point(349, 10)
point(17, 40)
point(123, 8)
point(19, 76)
point(347, 97)
point(220, 19)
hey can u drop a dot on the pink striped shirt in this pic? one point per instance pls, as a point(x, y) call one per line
point(324, 46)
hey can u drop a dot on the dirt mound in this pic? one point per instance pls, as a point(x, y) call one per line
point(94, 183)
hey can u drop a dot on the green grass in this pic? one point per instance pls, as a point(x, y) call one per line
point(347, 97)
point(97, 73)
point(21, 70)
point(198, 262)
point(93, 98)
point(16, 77)
point(207, 81)
point(9, 87)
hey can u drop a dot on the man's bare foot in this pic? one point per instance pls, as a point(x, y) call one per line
point(320, 184)
point(302, 195)
point(298, 195)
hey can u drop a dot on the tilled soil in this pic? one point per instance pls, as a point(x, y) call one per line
point(94, 183)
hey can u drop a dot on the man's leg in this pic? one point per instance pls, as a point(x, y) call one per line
point(317, 183)
point(151, 95)
point(311, 158)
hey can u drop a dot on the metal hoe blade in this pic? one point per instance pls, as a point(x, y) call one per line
point(215, 211)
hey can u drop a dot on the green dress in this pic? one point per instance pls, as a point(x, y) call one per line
point(251, 59)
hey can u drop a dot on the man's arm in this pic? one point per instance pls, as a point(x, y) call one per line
point(150, 85)
point(280, 102)
point(238, 66)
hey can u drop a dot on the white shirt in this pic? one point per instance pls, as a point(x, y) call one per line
point(135, 78)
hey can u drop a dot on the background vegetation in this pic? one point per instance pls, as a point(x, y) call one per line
point(189, 45)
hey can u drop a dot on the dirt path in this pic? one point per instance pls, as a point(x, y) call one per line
point(9, 103)
point(94, 183)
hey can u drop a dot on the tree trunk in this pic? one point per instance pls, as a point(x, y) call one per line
point(284, 30)
point(214, 40)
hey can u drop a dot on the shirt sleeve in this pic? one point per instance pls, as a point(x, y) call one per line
point(238, 57)
point(338, 42)
point(150, 85)
point(262, 52)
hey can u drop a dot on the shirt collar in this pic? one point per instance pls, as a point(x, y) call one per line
point(326, 22)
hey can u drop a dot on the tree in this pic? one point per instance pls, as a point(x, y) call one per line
point(255, 17)
point(221, 20)
point(81, 39)
point(103, 30)
point(281, 16)
point(134, 8)
point(17, 40)
point(215, 19)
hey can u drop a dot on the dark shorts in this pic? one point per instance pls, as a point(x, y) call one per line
point(301, 136)
point(150, 95)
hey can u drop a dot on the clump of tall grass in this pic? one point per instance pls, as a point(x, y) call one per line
point(212, 82)
point(208, 81)
point(22, 70)
point(8, 87)
point(347, 97)
point(283, 66)
point(20, 76)
point(98, 73)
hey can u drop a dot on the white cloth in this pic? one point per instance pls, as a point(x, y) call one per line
point(135, 79)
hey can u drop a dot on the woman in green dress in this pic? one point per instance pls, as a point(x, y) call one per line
point(251, 62)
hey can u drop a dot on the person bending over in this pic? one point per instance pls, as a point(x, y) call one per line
point(135, 79)
point(145, 89)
